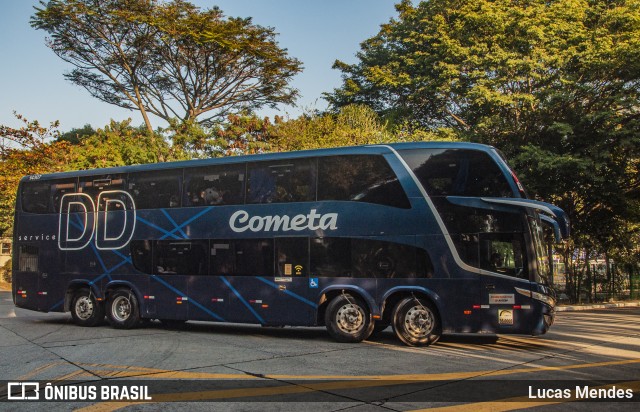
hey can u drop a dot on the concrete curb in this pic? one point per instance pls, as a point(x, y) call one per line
point(571, 308)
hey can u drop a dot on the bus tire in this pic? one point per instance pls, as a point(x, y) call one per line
point(348, 319)
point(85, 309)
point(122, 309)
point(416, 322)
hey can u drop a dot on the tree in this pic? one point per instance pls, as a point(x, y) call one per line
point(553, 84)
point(25, 151)
point(170, 59)
point(119, 144)
point(75, 135)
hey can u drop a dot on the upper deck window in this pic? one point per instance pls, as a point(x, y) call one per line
point(214, 185)
point(457, 172)
point(360, 178)
point(292, 180)
point(45, 197)
point(156, 189)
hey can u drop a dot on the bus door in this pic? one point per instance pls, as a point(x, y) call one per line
point(273, 285)
point(504, 256)
point(174, 261)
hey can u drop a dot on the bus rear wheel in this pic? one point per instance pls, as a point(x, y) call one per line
point(348, 319)
point(122, 309)
point(85, 309)
point(416, 322)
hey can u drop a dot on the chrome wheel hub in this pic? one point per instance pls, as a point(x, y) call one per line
point(84, 307)
point(350, 318)
point(121, 308)
point(419, 321)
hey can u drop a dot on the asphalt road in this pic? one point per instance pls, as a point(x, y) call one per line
point(247, 367)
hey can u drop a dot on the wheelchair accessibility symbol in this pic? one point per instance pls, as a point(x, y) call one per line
point(313, 283)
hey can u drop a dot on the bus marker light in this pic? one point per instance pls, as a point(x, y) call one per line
point(150, 297)
point(517, 307)
point(376, 316)
point(476, 306)
point(42, 293)
point(485, 306)
point(525, 307)
point(217, 300)
point(265, 306)
point(467, 312)
point(255, 301)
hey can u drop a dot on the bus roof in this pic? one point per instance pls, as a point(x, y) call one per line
point(347, 150)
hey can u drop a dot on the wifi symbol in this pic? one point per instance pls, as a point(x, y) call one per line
point(298, 269)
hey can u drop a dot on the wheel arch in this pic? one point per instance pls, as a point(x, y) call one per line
point(122, 284)
point(76, 285)
point(396, 294)
point(330, 292)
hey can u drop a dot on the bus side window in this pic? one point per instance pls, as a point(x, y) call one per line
point(93, 185)
point(382, 259)
point(222, 258)
point(60, 188)
point(155, 190)
point(360, 178)
point(254, 257)
point(28, 258)
point(175, 257)
point(368, 258)
point(284, 181)
point(35, 197)
point(214, 185)
point(292, 256)
point(141, 252)
point(331, 257)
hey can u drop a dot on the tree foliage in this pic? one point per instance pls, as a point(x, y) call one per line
point(170, 59)
point(25, 151)
point(554, 84)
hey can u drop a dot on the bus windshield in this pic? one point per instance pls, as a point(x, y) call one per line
point(540, 246)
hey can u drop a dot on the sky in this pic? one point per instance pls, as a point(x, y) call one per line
point(317, 32)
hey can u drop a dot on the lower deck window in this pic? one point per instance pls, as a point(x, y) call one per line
point(293, 256)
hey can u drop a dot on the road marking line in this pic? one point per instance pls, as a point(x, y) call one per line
point(351, 382)
point(37, 371)
point(168, 374)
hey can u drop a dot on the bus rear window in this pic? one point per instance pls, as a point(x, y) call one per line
point(457, 172)
point(35, 197)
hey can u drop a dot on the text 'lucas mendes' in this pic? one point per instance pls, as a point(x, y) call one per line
point(581, 392)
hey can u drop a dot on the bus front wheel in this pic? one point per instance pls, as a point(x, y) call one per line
point(416, 322)
point(85, 309)
point(348, 319)
point(122, 309)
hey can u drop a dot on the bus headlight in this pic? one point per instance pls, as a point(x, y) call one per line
point(544, 298)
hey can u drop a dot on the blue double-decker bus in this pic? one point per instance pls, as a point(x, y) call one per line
point(428, 238)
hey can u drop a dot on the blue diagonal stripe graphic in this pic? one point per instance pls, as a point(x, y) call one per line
point(186, 222)
point(293, 295)
point(146, 222)
point(175, 225)
point(244, 302)
point(191, 301)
